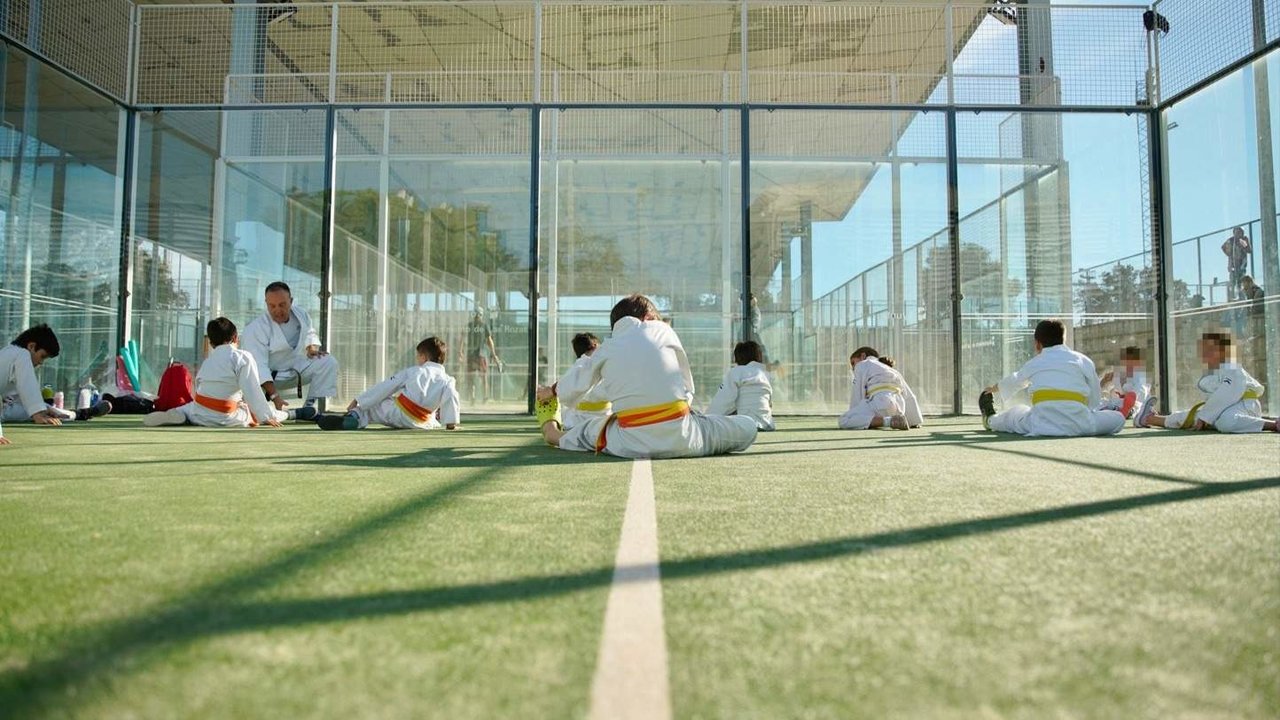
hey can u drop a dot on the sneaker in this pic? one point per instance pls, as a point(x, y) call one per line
point(102, 407)
point(898, 422)
point(338, 422)
point(164, 417)
point(303, 414)
point(987, 406)
point(1126, 406)
point(1145, 412)
point(548, 411)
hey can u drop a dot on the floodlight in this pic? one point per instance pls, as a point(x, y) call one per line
point(1005, 11)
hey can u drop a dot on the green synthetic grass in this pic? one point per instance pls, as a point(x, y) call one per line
point(183, 572)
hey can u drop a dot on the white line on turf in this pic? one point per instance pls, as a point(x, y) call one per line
point(631, 672)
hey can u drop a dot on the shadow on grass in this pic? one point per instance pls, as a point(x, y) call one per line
point(211, 610)
point(451, 457)
point(1146, 474)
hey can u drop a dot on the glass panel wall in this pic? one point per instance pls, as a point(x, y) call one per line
point(641, 201)
point(60, 204)
point(432, 238)
point(1053, 224)
point(1221, 159)
point(227, 202)
point(849, 248)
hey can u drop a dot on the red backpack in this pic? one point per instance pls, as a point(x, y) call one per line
point(175, 387)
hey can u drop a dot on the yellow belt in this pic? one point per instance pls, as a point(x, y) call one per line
point(1190, 422)
point(1050, 395)
point(882, 388)
point(594, 405)
point(1251, 395)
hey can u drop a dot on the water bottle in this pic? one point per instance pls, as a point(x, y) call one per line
point(58, 399)
point(84, 399)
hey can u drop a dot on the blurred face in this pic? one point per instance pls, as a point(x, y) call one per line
point(853, 361)
point(1236, 232)
point(37, 356)
point(279, 305)
point(1211, 354)
point(421, 358)
point(1132, 364)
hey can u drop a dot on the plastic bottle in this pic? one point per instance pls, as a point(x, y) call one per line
point(59, 399)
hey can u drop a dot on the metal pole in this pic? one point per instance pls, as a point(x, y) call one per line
point(744, 149)
point(327, 225)
point(1162, 256)
point(953, 234)
point(382, 306)
point(333, 55)
point(128, 190)
point(535, 163)
point(1270, 357)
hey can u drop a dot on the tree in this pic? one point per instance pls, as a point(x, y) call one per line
point(984, 283)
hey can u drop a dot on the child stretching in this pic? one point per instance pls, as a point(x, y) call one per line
point(20, 390)
point(880, 395)
point(746, 389)
point(642, 369)
point(419, 397)
point(228, 389)
point(592, 404)
point(1232, 396)
point(1063, 389)
point(1129, 388)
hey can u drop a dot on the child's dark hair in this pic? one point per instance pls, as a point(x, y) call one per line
point(747, 352)
point(868, 352)
point(584, 343)
point(1221, 339)
point(637, 306)
point(1050, 333)
point(44, 338)
point(220, 331)
point(1133, 352)
point(434, 349)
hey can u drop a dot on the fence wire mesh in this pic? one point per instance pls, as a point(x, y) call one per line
point(90, 38)
point(1206, 36)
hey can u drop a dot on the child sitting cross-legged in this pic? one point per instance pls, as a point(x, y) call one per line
point(419, 397)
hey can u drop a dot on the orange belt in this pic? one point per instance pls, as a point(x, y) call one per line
point(226, 407)
point(412, 410)
point(642, 416)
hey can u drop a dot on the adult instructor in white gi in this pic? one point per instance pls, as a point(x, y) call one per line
point(285, 345)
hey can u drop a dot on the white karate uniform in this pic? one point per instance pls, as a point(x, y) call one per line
point(427, 385)
point(271, 348)
point(230, 373)
point(1226, 407)
point(745, 391)
point(879, 390)
point(1060, 369)
point(20, 389)
point(591, 405)
point(642, 365)
point(1122, 384)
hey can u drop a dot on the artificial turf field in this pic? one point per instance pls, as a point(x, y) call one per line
point(943, 572)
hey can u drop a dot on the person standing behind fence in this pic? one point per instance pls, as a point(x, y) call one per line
point(1237, 248)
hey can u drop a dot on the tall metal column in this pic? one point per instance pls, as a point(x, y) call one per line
point(1267, 201)
point(128, 185)
point(327, 225)
point(535, 163)
point(953, 235)
point(1161, 256)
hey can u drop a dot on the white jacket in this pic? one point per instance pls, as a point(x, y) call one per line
point(872, 375)
point(1225, 387)
point(18, 383)
point(264, 339)
point(428, 385)
point(745, 390)
point(230, 373)
point(641, 364)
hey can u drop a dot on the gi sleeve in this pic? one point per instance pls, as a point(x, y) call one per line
point(1091, 379)
point(450, 406)
point(28, 385)
point(1010, 387)
point(249, 380)
point(726, 399)
point(255, 341)
point(382, 390)
point(580, 378)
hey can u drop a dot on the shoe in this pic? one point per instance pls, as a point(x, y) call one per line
point(1145, 412)
point(987, 406)
point(548, 411)
point(1126, 407)
point(338, 422)
point(304, 413)
point(98, 410)
point(164, 417)
point(898, 422)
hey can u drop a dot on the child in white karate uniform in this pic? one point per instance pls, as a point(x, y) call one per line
point(746, 389)
point(880, 396)
point(20, 396)
point(592, 405)
point(1055, 394)
point(643, 370)
point(1126, 388)
point(228, 389)
point(1231, 402)
point(419, 397)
